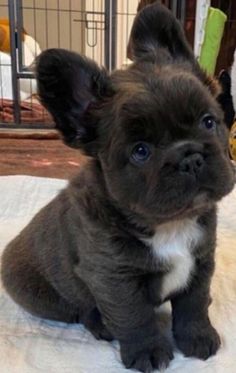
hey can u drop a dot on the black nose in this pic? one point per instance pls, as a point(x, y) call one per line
point(192, 164)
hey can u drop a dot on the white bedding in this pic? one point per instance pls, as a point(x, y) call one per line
point(31, 345)
point(28, 87)
point(233, 80)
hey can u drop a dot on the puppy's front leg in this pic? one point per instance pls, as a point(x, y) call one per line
point(121, 299)
point(193, 332)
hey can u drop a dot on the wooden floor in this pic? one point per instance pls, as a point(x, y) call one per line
point(38, 157)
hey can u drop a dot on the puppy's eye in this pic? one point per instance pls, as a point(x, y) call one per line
point(208, 123)
point(140, 153)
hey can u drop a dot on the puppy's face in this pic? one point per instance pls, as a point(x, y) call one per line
point(164, 154)
point(156, 129)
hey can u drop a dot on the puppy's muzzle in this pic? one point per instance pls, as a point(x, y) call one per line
point(192, 164)
point(187, 158)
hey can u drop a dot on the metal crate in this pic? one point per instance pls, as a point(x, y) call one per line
point(98, 29)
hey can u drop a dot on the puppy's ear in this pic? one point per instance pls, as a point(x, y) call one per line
point(71, 87)
point(143, 3)
point(157, 36)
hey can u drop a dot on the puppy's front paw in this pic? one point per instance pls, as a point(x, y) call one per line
point(156, 356)
point(199, 340)
point(95, 325)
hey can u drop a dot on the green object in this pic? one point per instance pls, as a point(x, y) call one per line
point(213, 35)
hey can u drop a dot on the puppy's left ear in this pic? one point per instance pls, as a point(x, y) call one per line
point(71, 87)
point(157, 35)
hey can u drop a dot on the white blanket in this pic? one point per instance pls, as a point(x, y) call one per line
point(28, 87)
point(31, 345)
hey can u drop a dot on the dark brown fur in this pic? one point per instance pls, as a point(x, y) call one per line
point(83, 258)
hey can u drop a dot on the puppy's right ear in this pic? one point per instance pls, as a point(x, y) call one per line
point(71, 86)
point(157, 35)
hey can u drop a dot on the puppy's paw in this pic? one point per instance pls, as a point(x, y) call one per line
point(100, 331)
point(95, 325)
point(198, 340)
point(148, 358)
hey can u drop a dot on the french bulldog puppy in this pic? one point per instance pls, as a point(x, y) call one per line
point(137, 226)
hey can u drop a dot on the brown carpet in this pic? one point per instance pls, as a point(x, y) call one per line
point(47, 158)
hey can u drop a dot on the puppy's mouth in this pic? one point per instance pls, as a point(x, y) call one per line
point(201, 201)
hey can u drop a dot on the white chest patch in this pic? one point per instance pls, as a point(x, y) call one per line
point(172, 247)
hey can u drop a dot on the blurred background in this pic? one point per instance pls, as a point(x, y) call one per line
point(100, 30)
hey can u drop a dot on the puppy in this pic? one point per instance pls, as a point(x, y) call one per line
point(137, 227)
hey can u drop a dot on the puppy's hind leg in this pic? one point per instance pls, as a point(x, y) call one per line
point(29, 288)
point(32, 291)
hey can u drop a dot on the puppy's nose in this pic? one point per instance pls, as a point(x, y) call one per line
point(192, 164)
